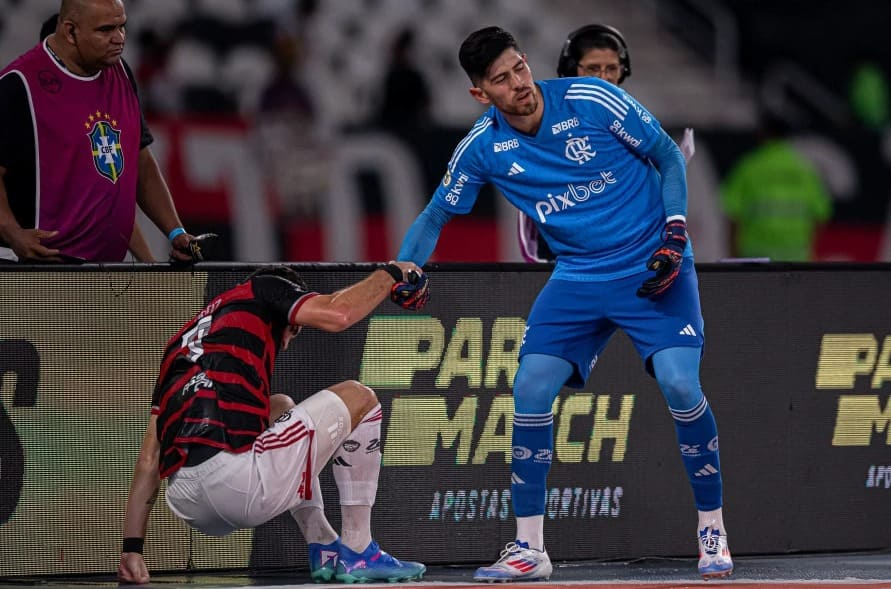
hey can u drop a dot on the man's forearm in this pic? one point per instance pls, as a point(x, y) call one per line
point(139, 247)
point(346, 307)
point(421, 238)
point(145, 484)
point(364, 296)
point(153, 196)
point(143, 494)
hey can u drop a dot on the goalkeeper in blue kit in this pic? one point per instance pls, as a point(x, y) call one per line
point(606, 187)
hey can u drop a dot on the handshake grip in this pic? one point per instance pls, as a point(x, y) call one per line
point(410, 291)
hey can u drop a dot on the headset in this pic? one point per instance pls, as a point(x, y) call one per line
point(567, 64)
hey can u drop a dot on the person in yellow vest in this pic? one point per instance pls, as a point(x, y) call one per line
point(775, 199)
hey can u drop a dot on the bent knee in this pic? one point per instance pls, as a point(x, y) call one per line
point(681, 393)
point(359, 399)
point(355, 389)
point(533, 395)
point(281, 399)
point(278, 404)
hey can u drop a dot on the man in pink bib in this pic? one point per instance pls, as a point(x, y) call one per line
point(74, 154)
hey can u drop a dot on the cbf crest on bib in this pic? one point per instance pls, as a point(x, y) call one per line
point(108, 155)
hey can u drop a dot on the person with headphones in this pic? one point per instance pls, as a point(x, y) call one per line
point(595, 50)
point(599, 51)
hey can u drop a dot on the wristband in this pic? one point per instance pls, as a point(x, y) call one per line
point(174, 233)
point(394, 271)
point(133, 545)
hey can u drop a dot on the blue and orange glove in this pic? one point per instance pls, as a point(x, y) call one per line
point(666, 261)
point(411, 291)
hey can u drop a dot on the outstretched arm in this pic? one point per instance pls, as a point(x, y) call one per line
point(143, 493)
point(339, 310)
point(420, 239)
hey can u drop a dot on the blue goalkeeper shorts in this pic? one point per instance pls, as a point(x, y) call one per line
point(574, 320)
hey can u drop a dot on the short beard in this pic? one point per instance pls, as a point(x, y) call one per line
point(533, 106)
point(524, 110)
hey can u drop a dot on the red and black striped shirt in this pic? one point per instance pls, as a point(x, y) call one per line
point(212, 391)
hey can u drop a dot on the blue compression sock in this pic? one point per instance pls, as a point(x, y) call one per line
point(677, 371)
point(533, 449)
point(538, 380)
point(698, 439)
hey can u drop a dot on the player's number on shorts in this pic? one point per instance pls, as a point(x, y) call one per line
point(192, 338)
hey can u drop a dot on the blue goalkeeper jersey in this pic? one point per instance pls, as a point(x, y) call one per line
point(585, 177)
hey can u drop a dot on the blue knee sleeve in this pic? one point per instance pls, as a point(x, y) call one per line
point(537, 382)
point(677, 372)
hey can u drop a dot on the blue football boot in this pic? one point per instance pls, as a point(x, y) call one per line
point(323, 561)
point(374, 565)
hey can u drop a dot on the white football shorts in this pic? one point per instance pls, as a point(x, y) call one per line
point(229, 491)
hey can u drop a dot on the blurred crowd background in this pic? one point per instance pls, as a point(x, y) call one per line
point(315, 130)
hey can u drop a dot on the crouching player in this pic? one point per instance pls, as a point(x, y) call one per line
point(236, 456)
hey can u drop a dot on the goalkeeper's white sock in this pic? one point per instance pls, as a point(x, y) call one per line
point(357, 466)
point(530, 529)
point(713, 519)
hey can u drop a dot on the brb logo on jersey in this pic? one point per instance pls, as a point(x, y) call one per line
point(554, 203)
point(566, 125)
point(578, 149)
point(506, 145)
point(105, 144)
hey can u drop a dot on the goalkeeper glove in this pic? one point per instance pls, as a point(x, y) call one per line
point(666, 261)
point(410, 291)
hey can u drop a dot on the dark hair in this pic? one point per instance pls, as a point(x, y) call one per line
point(481, 48)
point(595, 36)
point(282, 272)
point(49, 26)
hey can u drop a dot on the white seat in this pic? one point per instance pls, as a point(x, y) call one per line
point(281, 10)
point(192, 64)
point(246, 70)
point(161, 15)
point(39, 9)
point(20, 33)
point(229, 11)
